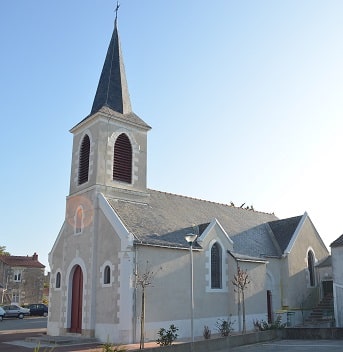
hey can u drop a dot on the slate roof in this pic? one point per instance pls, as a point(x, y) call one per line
point(23, 261)
point(112, 88)
point(267, 240)
point(112, 96)
point(338, 242)
point(325, 263)
point(284, 229)
point(244, 257)
point(167, 218)
point(257, 242)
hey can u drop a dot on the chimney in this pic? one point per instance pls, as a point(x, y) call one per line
point(35, 256)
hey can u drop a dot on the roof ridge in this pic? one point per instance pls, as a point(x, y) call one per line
point(210, 201)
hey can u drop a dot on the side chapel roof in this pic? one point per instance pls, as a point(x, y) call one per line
point(338, 242)
point(326, 262)
point(284, 229)
point(267, 240)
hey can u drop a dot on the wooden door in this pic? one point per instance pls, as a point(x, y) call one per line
point(76, 301)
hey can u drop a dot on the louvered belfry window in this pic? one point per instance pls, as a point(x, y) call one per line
point(216, 271)
point(122, 159)
point(84, 160)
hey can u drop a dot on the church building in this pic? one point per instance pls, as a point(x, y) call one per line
point(116, 230)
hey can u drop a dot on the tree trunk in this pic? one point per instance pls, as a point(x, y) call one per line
point(141, 343)
point(239, 310)
point(243, 312)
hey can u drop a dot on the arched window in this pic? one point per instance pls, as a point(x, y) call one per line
point(216, 266)
point(310, 266)
point(58, 280)
point(78, 220)
point(84, 160)
point(122, 159)
point(107, 275)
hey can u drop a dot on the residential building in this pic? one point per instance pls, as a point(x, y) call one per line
point(21, 279)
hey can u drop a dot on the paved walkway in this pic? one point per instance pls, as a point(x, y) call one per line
point(22, 345)
point(279, 346)
point(291, 346)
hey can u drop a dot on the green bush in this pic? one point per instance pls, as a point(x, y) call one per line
point(263, 325)
point(37, 349)
point(225, 327)
point(166, 337)
point(109, 347)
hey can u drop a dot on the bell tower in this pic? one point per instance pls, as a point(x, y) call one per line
point(110, 144)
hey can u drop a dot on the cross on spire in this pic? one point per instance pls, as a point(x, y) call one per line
point(116, 10)
point(112, 88)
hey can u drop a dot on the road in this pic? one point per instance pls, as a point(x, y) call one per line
point(28, 323)
point(13, 329)
point(13, 333)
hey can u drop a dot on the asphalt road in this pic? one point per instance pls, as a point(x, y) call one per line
point(28, 323)
point(13, 333)
point(291, 346)
point(13, 329)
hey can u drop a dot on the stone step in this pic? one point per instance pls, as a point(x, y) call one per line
point(61, 340)
point(322, 315)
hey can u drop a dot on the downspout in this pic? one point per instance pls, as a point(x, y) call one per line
point(92, 308)
point(134, 316)
point(239, 296)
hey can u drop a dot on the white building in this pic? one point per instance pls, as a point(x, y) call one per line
point(116, 226)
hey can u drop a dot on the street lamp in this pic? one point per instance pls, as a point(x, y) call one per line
point(190, 239)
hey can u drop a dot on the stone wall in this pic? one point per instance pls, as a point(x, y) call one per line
point(222, 343)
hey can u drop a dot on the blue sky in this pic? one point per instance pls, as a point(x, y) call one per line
point(244, 99)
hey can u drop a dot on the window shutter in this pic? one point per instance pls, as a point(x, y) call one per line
point(84, 160)
point(122, 159)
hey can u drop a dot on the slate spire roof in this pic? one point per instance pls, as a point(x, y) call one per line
point(112, 88)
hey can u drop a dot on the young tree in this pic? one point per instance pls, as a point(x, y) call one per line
point(143, 280)
point(241, 281)
point(3, 251)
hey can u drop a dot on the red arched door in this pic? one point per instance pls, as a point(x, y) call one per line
point(76, 301)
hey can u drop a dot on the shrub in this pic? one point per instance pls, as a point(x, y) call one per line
point(206, 333)
point(166, 337)
point(225, 327)
point(263, 325)
point(110, 347)
point(37, 349)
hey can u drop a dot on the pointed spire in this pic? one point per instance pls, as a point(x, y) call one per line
point(112, 88)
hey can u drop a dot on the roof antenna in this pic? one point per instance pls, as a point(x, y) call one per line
point(116, 10)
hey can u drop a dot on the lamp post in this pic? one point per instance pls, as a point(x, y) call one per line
point(190, 239)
